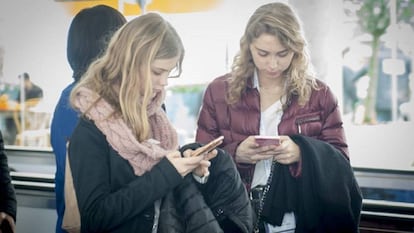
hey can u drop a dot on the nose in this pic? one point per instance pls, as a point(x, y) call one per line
point(163, 81)
point(274, 62)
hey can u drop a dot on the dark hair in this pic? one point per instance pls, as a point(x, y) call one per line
point(26, 76)
point(89, 34)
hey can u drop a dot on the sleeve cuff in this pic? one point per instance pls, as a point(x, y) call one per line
point(296, 169)
point(201, 180)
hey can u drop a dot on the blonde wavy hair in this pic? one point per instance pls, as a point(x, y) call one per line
point(280, 20)
point(122, 75)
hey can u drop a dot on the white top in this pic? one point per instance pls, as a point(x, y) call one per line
point(269, 120)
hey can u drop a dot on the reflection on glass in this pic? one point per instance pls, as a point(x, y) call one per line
point(378, 62)
point(25, 123)
point(397, 195)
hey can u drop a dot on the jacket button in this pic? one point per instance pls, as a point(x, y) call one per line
point(219, 212)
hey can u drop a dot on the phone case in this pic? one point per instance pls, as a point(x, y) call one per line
point(267, 140)
point(209, 146)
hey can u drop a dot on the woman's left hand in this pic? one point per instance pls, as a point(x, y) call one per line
point(288, 152)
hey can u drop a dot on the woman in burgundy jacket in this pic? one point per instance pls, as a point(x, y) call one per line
point(271, 91)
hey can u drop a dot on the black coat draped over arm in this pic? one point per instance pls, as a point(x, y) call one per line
point(325, 198)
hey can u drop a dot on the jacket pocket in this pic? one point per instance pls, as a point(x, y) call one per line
point(309, 124)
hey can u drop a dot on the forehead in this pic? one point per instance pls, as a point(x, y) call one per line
point(268, 43)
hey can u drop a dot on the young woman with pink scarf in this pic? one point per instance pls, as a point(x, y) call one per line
point(129, 173)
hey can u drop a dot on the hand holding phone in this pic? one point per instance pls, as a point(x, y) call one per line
point(267, 140)
point(209, 146)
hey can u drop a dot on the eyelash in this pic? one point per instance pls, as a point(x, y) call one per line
point(156, 73)
point(283, 54)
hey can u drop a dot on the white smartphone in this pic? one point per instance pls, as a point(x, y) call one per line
point(267, 140)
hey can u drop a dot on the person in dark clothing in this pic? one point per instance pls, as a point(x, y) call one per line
point(31, 90)
point(88, 36)
point(8, 203)
point(140, 179)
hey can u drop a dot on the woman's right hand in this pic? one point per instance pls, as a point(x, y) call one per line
point(184, 165)
point(250, 152)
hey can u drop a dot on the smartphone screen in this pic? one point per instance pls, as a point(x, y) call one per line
point(209, 146)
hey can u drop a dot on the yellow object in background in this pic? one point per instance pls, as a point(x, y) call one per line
point(164, 6)
point(4, 99)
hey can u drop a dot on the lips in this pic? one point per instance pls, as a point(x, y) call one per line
point(273, 73)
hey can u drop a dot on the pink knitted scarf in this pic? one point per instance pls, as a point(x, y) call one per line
point(142, 156)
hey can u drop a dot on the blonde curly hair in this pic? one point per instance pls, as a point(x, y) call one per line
point(280, 20)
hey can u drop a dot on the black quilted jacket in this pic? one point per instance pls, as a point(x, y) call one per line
point(220, 205)
point(112, 198)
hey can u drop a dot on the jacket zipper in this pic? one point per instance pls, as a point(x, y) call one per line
point(300, 121)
